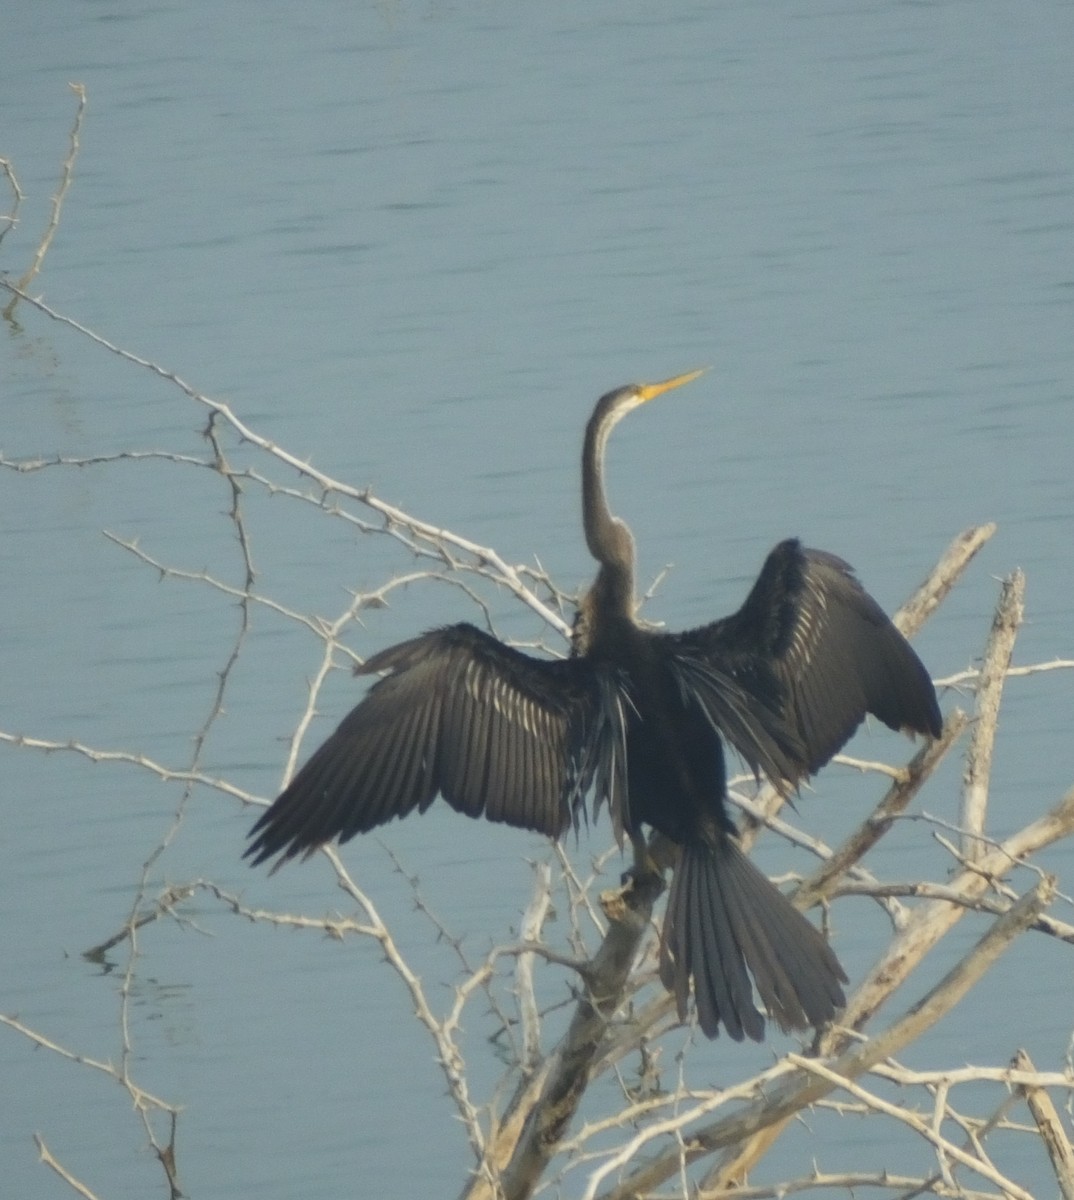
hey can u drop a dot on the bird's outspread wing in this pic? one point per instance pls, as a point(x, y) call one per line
point(814, 647)
point(498, 733)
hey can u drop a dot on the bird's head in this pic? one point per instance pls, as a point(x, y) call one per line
point(612, 407)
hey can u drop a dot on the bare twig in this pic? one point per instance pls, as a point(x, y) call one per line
point(970, 678)
point(164, 905)
point(10, 219)
point(50, 1161)
point(140, 1095)
point(165, 774)
point(57, 204)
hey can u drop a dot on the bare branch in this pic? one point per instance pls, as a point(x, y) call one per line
point(997, 660)
point(943, 577)
point(532, 923)
point(1051, 1128)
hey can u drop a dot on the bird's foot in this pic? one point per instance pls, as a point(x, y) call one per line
point(638, 890)
point(640, 884)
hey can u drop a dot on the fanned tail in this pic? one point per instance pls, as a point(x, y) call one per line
point(730, 930)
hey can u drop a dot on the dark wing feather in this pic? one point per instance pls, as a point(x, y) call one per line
point(499, 734)
point(813, 645)
point(746, 714)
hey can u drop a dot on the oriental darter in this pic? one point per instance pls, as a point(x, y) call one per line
point(638, 719)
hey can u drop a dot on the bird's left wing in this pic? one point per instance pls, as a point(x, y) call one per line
point(498, 733)
point(812, 646)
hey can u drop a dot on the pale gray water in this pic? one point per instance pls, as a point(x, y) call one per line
point(413, 242)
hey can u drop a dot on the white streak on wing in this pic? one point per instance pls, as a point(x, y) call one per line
point(527, 712)
point(808, 625)
point(505, 700)
point(472, 680)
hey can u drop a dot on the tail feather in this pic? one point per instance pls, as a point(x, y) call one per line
point(729, 930)
point(717, 991)
point(784, 961)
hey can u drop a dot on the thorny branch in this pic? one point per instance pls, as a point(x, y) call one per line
point(57, 203)
point(421, 537)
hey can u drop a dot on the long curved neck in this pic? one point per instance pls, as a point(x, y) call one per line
point(609, 540)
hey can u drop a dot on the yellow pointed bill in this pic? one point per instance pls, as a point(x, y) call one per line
point(649, 390)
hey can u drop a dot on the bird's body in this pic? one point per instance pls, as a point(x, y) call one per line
point(636, 719)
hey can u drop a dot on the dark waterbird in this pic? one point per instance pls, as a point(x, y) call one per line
point(636, 719)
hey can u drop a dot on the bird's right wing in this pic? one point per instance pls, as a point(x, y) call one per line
point(499, 734)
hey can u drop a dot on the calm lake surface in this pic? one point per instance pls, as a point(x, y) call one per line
point(412, 243)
